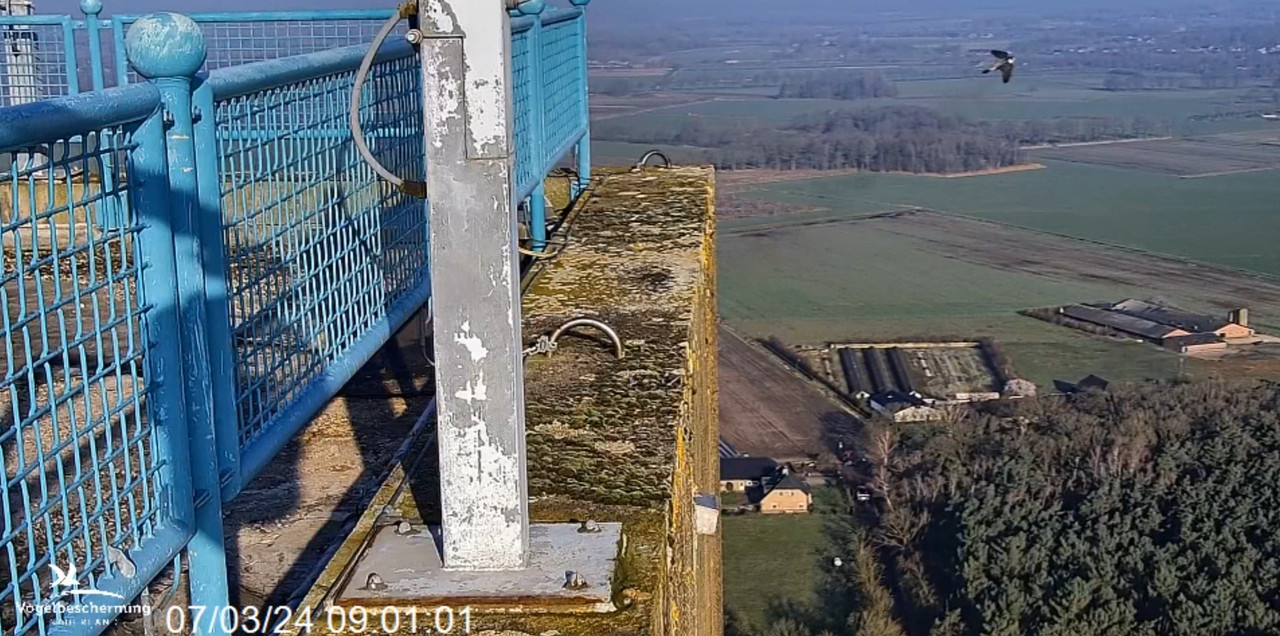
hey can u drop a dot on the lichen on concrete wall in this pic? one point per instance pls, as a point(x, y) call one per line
point(630, 440)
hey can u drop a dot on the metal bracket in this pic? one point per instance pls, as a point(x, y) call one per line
point(640, 165)
point(547, 344)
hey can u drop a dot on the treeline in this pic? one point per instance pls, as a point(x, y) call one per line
point(884, 139)
point(782, 83)
point(838, 85)
point(1020, 131)
point(1147, 510)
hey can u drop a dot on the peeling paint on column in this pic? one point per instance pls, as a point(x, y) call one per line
point(470, 392)
point(479, 377)
point(484, 26)
point(473, 344)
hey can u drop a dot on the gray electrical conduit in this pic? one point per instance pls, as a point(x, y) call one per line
point(412, 188)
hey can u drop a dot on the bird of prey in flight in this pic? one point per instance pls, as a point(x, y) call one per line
point(1004, 64)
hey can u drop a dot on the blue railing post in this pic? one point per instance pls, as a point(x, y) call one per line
point(107, 213)
point(69, 53)
point(217, 304)
point(582, 151)
point(91, 9)
point(117, 41)
point(537, 123)
point(168, 49)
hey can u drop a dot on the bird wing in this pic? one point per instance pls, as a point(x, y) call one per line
point(1004, 55)
point(1007, 72)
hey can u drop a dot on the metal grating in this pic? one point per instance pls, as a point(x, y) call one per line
point(235, 42)
point(33, 65)
point(78, 453)
point(562, 90)
point(318, 247)
point(522, 95)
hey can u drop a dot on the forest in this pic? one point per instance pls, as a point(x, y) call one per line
point(1147, 510)
point(883, 139)
point(838, 85)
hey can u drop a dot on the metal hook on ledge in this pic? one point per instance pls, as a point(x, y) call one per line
point(548, 344)
point(666, 163)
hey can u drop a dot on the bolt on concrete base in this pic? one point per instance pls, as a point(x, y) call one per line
point(570, 570)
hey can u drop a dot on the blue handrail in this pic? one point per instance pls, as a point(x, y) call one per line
point(229, 203)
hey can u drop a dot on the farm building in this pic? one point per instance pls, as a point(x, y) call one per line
point(904, 407)
point(852, 375)
point(942, 371)
point(1236, 325)
point(1168, 326)
point(981, 396)
point(1091, 382)
point(738, 474)
point(1195, 343)
point(789, 495)
point(1126, 323)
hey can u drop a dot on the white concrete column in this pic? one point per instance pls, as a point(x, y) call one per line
point(475, 284)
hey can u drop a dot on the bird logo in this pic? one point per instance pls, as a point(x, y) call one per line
point(1004, 64)
point(70, 583)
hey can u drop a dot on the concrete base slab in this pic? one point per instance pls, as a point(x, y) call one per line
point(408, 570)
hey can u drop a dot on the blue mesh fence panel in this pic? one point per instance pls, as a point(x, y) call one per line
point(235, 42)
point(322, 257)
point(33, 62)
point(318, 247)
point(78, 455)
point(562, 90)
point(522, 95)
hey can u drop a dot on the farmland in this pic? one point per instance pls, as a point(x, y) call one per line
point(1198, 157)
point(1136, 209)
point(1033, 97)
point(767, 409)
point(933, 277)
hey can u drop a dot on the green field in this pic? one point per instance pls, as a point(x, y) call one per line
point(856, 283)
point(1231, 220)
point(773, 558)
point(843, 282)
point(1031, 97)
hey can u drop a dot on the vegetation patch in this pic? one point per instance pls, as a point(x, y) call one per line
point(772, 561)
point(1146, 510)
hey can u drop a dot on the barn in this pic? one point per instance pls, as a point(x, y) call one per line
point(1192, 323)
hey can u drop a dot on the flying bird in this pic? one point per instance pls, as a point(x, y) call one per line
point(1004, 64)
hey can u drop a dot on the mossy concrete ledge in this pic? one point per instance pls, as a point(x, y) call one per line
point(631, 440)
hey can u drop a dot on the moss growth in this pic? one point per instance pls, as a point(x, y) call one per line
point(602, 433)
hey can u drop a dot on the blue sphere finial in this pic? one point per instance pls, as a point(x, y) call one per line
point(579, 3)
point(91, 7)
point(165, 45)
point(532, 7)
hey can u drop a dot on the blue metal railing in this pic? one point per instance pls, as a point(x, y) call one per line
point(68, 54)
point(549, 76)
point(326, 260)
point(549, 93)
point(48, 43)
point(193, 266)
point(92, 478)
